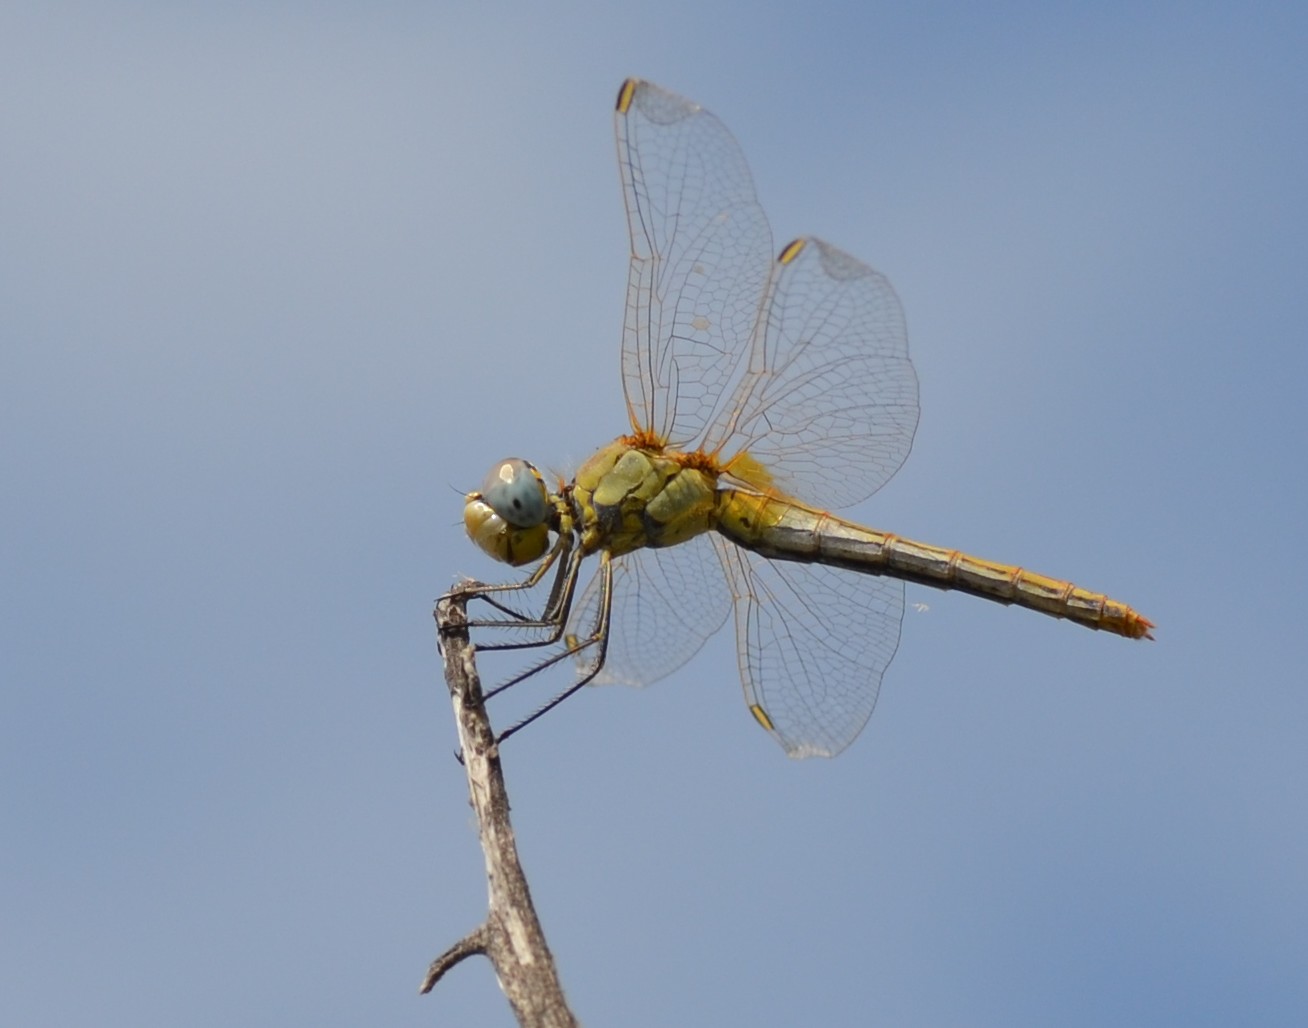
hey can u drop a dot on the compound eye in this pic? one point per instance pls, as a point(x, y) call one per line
point(516, 546)
point(516, 492)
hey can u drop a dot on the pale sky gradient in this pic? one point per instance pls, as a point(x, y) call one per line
point(278, 281)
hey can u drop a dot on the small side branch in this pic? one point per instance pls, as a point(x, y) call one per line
point(511, 937)
point(472, 943)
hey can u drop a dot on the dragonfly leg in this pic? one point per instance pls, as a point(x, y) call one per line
point(551, 621)
point(557, 605)
point(599, 637)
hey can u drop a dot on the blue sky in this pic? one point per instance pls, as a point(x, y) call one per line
point(277, 284)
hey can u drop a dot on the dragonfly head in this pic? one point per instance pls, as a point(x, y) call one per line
point(508, 517)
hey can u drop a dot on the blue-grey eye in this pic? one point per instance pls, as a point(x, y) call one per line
point(516, 492)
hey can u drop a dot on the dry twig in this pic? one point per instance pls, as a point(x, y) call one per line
point(511, 936)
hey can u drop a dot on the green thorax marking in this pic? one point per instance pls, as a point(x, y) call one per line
point(630, 496)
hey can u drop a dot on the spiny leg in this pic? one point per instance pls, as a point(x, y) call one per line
point(553, 619)
point(556, 605)
point(482, 590)
point(599, 637)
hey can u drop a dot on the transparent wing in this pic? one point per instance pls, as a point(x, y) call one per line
point(813, 643)
point(666, 603)
point(828, 406)
point(701, 251)
point(796, 376)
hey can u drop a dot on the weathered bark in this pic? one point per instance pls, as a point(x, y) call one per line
point(511, 936)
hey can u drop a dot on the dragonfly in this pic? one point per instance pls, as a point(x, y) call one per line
point(762, 394)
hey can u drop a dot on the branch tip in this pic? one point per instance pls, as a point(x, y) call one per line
point(472, 944)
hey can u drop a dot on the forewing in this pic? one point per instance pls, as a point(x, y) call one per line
point(813, 643)
point(700, 256)
point(828, 406)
